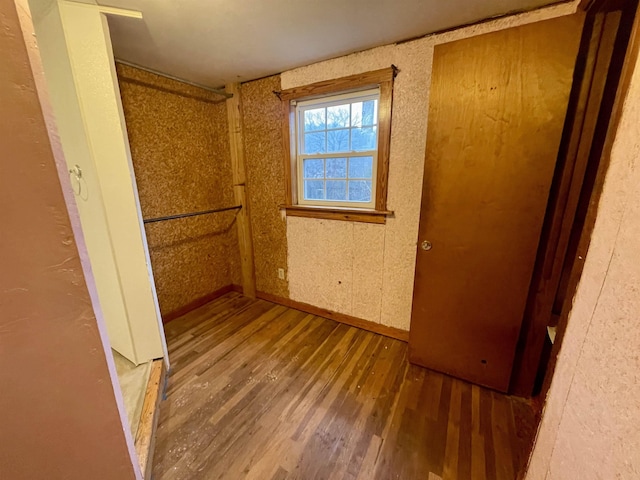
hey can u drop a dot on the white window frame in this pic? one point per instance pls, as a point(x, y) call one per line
point(325, 102)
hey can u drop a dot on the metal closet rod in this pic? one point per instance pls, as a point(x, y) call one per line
point(193, 214)
point(217, 91)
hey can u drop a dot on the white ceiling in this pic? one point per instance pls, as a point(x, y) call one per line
point(214, 42)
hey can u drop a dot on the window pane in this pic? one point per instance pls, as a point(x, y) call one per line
point(336, 189)
point(314, 189)
point(314, 168)
point(338, 116)
point(356, 114)
point(314, 142)
point(359, 190)
point(314, 119)
point(361, 167)
point(364, 113)
point(338, 140)
point(336, 168)
point(363, 138)
point(370, 113)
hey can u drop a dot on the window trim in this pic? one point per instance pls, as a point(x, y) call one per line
point(382, 79)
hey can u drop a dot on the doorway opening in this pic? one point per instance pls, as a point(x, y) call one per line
point(600, 84)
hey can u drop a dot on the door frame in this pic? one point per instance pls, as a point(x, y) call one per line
point(69, 73)
point(564, 211)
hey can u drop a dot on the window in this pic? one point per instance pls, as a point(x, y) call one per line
point(337, 149)
point(337, 134)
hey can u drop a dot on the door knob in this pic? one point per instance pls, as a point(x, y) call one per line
point(426, 245)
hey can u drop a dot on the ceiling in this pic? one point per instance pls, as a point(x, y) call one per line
point(214, 42)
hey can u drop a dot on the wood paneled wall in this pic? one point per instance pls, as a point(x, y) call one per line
point(265, 182)
point(180, 149)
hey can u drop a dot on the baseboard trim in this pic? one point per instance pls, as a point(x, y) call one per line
point(391, 332)
point(146, 434)
point(198, 302)
point(385, 330)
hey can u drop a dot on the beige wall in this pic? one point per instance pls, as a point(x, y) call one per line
point(591, 422)
point(367, 270)
point(60, 416)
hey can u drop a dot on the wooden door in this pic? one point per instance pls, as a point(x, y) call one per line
point(497, 108)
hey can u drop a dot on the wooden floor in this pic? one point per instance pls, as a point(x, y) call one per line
point(261, 391)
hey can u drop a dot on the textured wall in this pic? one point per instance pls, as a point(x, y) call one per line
point(367, 270)
point(180, 148)
point(60, 417)
point(590, 426)
point(261, 112)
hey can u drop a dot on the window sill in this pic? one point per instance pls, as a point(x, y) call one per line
point(338, 213)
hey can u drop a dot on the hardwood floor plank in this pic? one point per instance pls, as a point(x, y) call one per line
point(281, 474)
point(377, 419)
point(502, 439)
point(478, 460)
point(390, 445)
point(452, 449)
point(466, 429)
point(377, 389)
point(475, 408)
point(260, 391)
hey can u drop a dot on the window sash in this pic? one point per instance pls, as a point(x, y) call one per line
point(342, 99)
point(339, 203)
